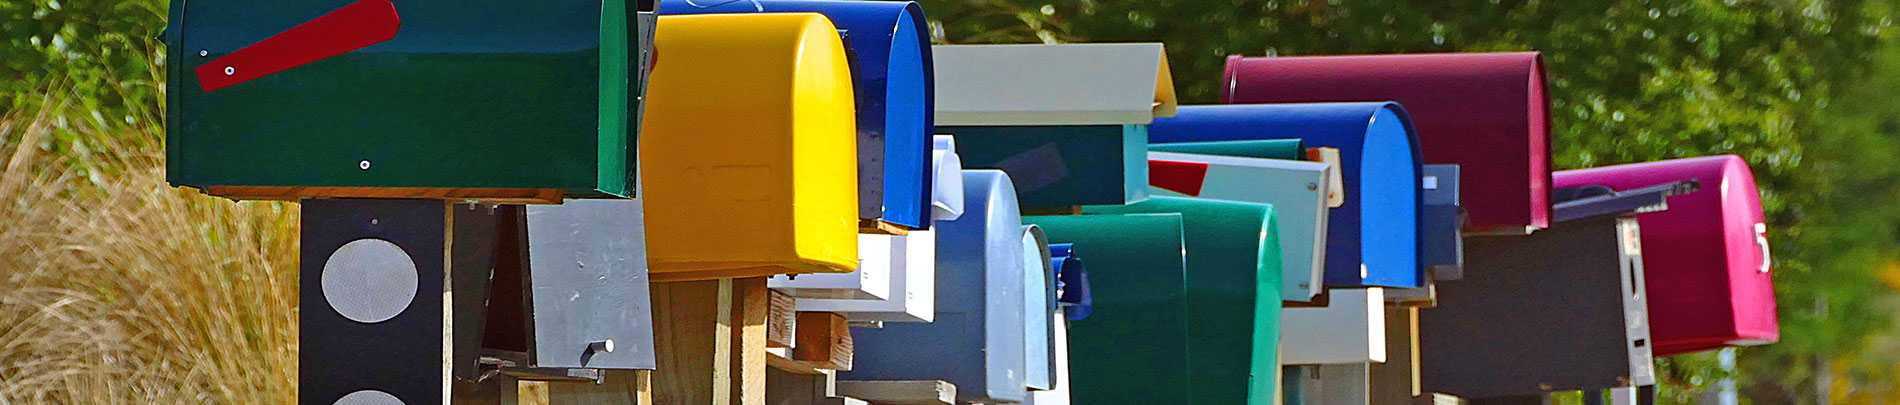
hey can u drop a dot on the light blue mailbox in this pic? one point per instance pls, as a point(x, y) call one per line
point(892, 73)
point(977, 341)
point(1373, 238)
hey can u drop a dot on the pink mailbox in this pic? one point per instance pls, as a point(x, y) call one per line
point(1485, 112)
point(1707, 257)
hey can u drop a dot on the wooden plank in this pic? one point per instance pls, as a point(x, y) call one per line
point(747, 345)
point(781, 320)
point(490, 195)
point(825, 340)
point(1396, 381)
point(931, 392)
point(781, 359)
point(629, 387)
point(879, 227)
point(691, 341)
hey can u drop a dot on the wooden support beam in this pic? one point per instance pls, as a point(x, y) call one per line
point(620, 387)
point(710, 337)
point(1396, 381)
point(900, 392)
point(825, 341)
point(781, 320)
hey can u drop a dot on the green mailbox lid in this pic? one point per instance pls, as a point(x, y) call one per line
point(1233, 284)
point(1133, 349)
point(339, 98)
point(1289, 149)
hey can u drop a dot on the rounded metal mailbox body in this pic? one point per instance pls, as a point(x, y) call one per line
point(1708, 267)
point(749, 149)
point(1233, 292)
point(371, 98)
point(1133, 348)
point(977, 339)
point(1486, 112)
point(896, 93)
point(1373, 237)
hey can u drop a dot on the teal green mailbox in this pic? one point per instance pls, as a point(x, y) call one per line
point(497, 100)
point(1133, 348)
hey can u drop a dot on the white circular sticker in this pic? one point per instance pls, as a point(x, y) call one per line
point(369, 280)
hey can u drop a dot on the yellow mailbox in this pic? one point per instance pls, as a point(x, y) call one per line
point(748, 148)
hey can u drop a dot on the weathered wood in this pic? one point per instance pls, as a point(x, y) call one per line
point(710, 337)
point(825, 341)
point(489, 195)
point(781, 359)
point(900, 392)
point(781, 320)
point(879, 227)
point(631, 387)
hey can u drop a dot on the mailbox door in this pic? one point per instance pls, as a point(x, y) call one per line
point(1233, 263)
point(1296, 190)
point(1062, 166)
point(976, 340)
point(1380, 163)
point(1349, 329)
point(892, 73)
point(1138, 279)
point(946, 198)
point(1441, 223)
point(347, 97)
point(1711, 287)
point(1484, 111)
point(1038, 297)
point(588, 282)
point(750, 174)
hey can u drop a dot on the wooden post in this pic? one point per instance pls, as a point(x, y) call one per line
point(710, 337)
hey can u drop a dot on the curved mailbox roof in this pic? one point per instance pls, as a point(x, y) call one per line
point(1380, 163)
point(749, 174)
point(1483, 111)
point(892, 71)
point(1707, 265)
point(1233, 286)
point(1066, 84)
point(977, 339)
point(1137, 267)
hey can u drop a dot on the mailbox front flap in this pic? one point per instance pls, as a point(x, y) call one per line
point(976, 340)
point(588, 282)
point(892, 73)
point(1138, 269)
point(342, 98)
point(1381, 168)
point(749, 133)
point(1349, 329)
point(946, 198)
point(1711, 286)
point(913, 283)
point(1233, 263)
point(1484, 111)
point(1296, 190)
point(1039, 302)
point(1066, 84)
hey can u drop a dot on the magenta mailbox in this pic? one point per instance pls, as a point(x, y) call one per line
point(1708, 261)
point(1485, 112)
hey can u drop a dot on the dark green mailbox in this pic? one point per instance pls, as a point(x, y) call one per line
point(498, 100)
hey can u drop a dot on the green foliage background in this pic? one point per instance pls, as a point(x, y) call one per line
point(1803, 89)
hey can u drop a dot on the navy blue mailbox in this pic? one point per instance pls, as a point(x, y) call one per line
point(893, 75)
point(977, 339)
point(1072, 281)
point(1380, 163)
point(1442, 223)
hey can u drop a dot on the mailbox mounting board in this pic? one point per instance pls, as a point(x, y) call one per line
point(274, 100)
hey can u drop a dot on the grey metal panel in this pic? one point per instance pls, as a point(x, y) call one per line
point(588, 283)
point(1552, 311)
point(1066, 84)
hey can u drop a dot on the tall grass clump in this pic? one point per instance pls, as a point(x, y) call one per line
point(118, 288)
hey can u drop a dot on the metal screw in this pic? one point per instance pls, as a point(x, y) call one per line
point(203, 53)
point(1312, 186)
point(229, 70)
point(363, 164)
point(374, 221)
point(601, 346)
point(1303, 286)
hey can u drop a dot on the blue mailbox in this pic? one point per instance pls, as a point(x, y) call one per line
point(1039, 299)
point(1072, 281)
point(891, 70)
point(977, 339)
point(1379, 162)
